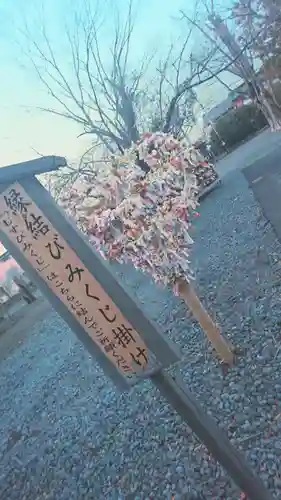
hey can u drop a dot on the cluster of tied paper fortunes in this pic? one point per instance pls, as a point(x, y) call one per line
point(142, 218)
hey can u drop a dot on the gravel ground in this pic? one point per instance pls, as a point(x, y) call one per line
point(66, 434)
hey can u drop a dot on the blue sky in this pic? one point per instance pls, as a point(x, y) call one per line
point(24, 128)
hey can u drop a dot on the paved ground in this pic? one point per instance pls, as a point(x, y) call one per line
point(260, 161)
point(264, 178)
point(250, 152)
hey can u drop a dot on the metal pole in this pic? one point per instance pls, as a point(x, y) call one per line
point(207, 431)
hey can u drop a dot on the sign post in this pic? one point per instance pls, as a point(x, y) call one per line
point(211, 435)
point(81, 287)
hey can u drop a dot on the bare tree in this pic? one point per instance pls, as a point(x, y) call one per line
point(261, 20)
point(112, 98)
point(100, 97)
point(218, 33)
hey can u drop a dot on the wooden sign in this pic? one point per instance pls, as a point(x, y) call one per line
point(59, 266)
point(97, 308)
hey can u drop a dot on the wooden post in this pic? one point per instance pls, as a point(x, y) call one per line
point(211, 435)
point(224, 350)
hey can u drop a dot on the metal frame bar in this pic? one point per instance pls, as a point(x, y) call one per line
point(12, 173)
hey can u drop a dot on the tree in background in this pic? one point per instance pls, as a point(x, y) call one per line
point(114, 97)
point(144, 219)
point(239, 51)
point(260, 20)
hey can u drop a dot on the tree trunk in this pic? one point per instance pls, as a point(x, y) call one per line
point(244, 67)
point(271, 110)
point(223, 349)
